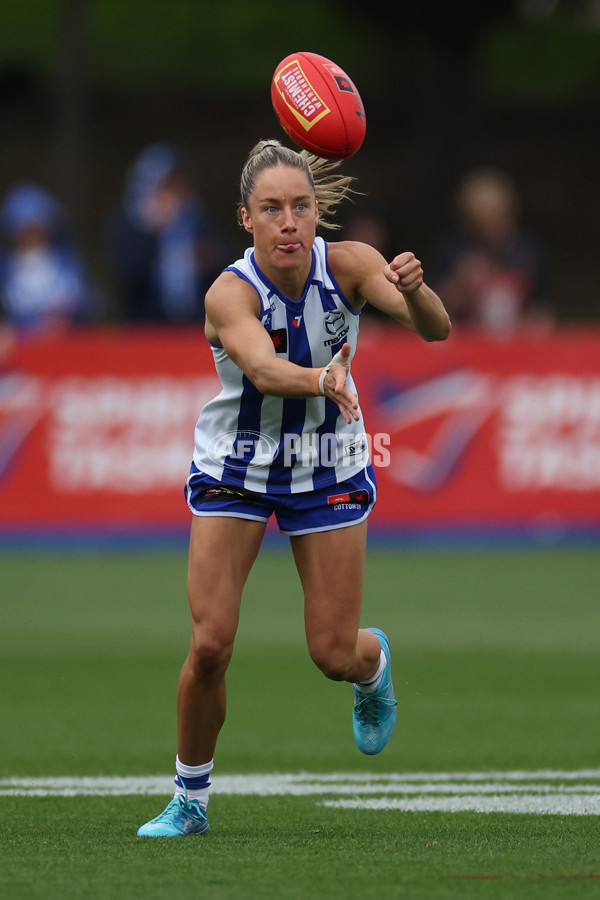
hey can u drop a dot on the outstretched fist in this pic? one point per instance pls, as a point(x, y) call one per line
point(405, 272)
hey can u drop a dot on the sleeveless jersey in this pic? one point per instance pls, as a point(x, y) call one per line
point(282, 445)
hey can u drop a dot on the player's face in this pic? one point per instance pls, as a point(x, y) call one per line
point(282, 218)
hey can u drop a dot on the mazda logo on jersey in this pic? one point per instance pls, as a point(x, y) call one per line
point(334, 321)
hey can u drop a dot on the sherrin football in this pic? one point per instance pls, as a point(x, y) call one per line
point(318, 105)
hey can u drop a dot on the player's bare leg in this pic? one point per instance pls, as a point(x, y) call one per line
point(331, 566)
point(222, 552)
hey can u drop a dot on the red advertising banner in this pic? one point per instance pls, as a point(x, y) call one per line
point(487, 436)
point(474, 436)
point(96, 430)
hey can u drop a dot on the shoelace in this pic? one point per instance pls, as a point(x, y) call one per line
point(185, 807)
point(368, 708)
point(192, 811)
point(166, 813)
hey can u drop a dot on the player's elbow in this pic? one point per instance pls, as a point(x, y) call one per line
point(268, 376)
point(440, 331)
point(260, 380)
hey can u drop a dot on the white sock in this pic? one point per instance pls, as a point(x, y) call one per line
point(193, 782)
point(367, 687)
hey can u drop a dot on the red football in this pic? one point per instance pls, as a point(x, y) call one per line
point(318, 106)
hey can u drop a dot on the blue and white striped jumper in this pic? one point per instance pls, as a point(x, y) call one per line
point(281, 445)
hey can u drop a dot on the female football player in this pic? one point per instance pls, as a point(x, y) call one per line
point(286, 436)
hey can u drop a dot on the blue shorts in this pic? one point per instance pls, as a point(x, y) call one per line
point(335, 506)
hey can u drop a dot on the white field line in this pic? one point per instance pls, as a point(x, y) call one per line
point(554, 805)
point(540, 792)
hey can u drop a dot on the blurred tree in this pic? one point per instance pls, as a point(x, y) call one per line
point(84, 83)
point(72, 105)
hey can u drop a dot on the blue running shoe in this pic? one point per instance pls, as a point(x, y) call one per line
point(374, 714)
point(181, 817)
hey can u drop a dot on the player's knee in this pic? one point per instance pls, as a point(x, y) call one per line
point(210, 656)
point(334, 660)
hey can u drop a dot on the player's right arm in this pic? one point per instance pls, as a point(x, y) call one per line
point(232, 321)
point(397, 289)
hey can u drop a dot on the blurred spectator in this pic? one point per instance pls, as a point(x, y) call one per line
point(165, 246)
point(43, 283)
point(490, 274)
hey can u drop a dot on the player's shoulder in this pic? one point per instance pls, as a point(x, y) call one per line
point(229, 291)
point(351, 262)
point(352, 255)
point(229, 283)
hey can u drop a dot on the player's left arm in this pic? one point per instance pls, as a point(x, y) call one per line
point(397, 288)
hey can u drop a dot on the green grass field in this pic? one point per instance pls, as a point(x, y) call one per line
point(496, 668)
